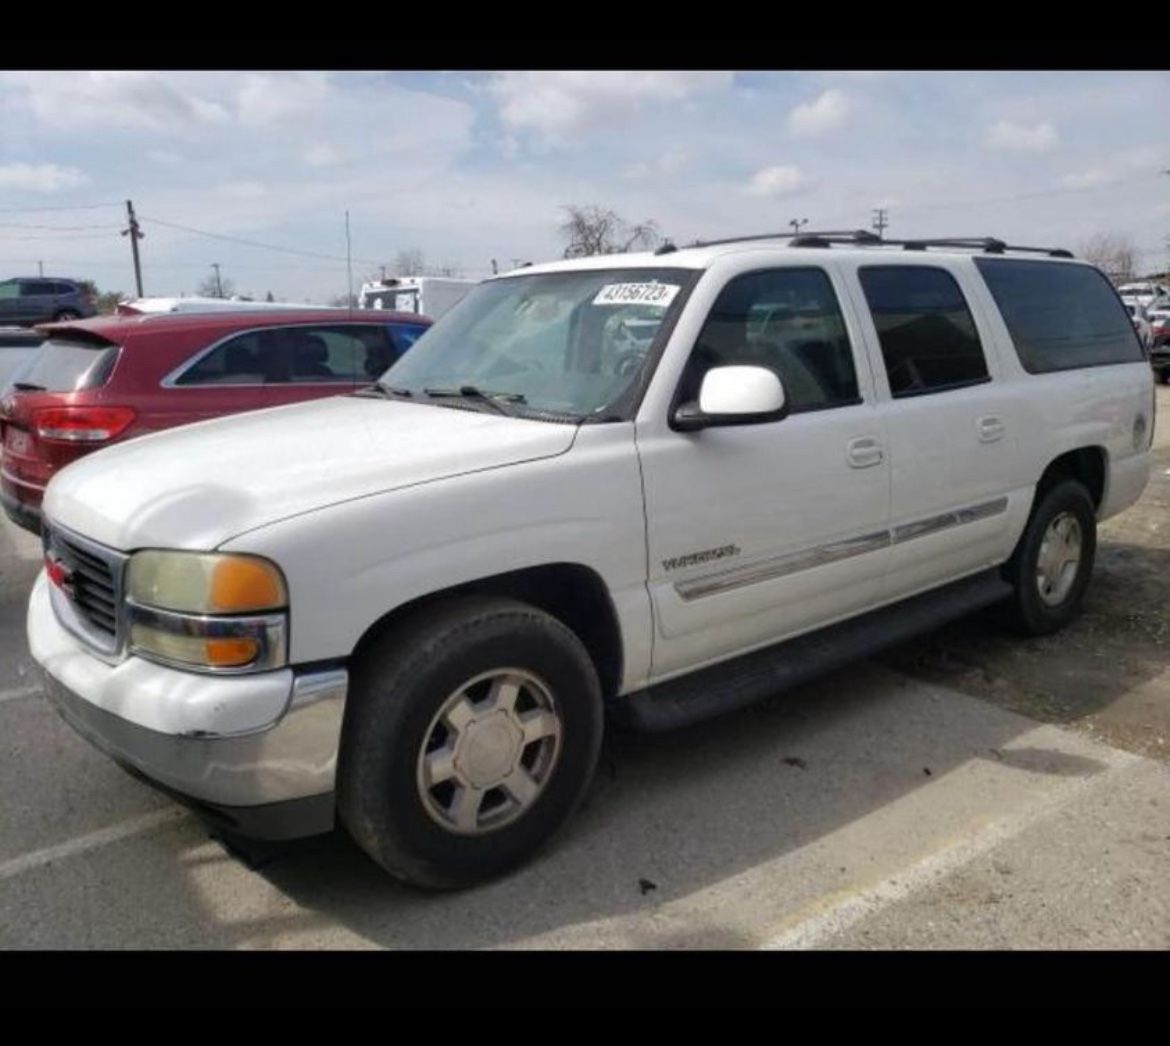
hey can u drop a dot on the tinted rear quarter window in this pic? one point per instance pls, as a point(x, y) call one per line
point(62, 365)
point(1060, 316)
point(928, 338)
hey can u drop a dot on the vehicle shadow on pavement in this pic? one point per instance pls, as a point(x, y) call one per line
point(674, 814)
point(1113, 657)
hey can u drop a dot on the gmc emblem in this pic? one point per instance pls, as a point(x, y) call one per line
point(60, 575)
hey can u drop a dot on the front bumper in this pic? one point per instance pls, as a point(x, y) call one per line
point(259, 752)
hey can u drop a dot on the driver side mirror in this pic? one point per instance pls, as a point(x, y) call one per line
point(733, 395)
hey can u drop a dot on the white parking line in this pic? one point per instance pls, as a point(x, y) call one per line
point(84, 843)
point(810, 932)
point(18, 692)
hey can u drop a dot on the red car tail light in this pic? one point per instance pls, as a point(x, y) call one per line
point(81, 424)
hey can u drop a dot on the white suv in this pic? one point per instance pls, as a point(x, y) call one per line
point(663, 485)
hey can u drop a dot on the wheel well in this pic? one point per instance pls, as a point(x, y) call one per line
point(574, 594)
point(1087, 465)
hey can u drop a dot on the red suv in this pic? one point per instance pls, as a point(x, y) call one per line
point(104, 380)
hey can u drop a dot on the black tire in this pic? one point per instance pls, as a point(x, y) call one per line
point(1026, 612)
point(1164, 376)
point(399, 683)
point(66, 314)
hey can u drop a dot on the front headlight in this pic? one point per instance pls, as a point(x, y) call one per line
point(209, 611)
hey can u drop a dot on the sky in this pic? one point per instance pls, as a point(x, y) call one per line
point(474, 166)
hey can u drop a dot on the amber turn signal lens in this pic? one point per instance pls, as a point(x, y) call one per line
point(240, 584)
point(231, 653)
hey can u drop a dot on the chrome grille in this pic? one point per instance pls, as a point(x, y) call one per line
point(88, 603)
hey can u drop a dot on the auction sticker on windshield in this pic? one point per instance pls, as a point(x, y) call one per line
point(658, 294)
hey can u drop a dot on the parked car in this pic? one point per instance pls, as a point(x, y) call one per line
point(1160, 346)
point(28, 300)
point(1145, 292)
point(102, 381)
point(1141, 323)
point(410, 607)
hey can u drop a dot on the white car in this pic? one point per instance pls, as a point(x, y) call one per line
point(412, 607)
point(1145, 293)
point(1141, 323)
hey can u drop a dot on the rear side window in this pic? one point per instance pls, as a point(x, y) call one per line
point(32, 287)
point(1060, 316)
point(927, 335)
point(61, 365)
point(295, 355)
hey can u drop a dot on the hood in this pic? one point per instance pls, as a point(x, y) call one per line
point(196, 486)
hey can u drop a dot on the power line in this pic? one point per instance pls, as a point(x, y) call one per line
point(75, 207)
point(59, 228)
point(256, 243)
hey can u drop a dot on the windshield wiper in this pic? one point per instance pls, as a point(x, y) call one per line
point(386, 391)
point(492, 399)
point(27, 386)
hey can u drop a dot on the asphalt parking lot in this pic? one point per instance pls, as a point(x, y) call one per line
point(967, 790)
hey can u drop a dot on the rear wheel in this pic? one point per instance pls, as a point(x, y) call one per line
point(471, 735)
point(66, 314)
point(1053, 562)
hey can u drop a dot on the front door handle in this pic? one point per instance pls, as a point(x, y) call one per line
point(990, 428)
point(864, 452)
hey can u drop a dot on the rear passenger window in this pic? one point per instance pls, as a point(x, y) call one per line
point(787, 320)
point(1060, 316)
point(928, 338)
point(297, 355)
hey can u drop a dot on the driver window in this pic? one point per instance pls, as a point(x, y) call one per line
point(787, 320)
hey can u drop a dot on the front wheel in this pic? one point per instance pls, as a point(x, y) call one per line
point(471, 734)
point(1053, 561)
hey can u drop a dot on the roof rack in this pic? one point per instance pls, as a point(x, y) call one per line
point(865, 238)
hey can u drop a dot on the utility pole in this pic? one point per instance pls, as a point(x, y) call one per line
point(796, 224)
point(495, 267)
point(41, 268)
point(135, 235)
point(218, 282)
point(880, 221)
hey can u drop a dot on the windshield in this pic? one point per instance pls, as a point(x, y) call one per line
point(561, 342)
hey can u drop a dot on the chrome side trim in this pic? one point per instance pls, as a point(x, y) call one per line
point(780, 566)
point(819, 555)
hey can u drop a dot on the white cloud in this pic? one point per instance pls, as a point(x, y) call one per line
point(40, 177)
point(73, 100)
point(163, 156)
point(322, 154)
point(826, 113)
point(1088, 179)
point(782, 180)
point(271, 98)
point(553, 104)
point(1017, 137)
point(666, 164)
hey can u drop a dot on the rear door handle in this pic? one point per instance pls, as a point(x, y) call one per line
point(990, 428)
point(864, 452)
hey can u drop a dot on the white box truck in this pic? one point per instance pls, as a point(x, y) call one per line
point(429, 295)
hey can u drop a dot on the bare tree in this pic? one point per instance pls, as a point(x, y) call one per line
point(597, 230)
point(410, 262)
point(210, 288)
point(1113, 253)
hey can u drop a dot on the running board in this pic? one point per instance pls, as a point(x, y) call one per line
point(753, 677)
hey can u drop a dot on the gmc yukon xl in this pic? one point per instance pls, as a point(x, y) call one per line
point(648, 487)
